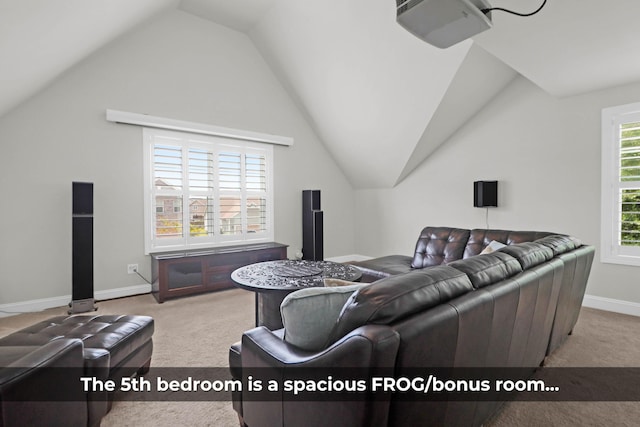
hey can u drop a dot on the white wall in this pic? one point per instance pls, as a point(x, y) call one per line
point(177, 66)
point(545, 153)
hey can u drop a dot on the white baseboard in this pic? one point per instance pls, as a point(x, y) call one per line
point(609, 304)
point(347, 258)
point(62, 301)
point(122, 292)
point(33, 305)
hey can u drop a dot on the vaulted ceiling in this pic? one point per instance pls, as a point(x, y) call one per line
point(380, 99)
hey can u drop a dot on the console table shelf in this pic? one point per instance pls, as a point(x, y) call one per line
point(188, 272)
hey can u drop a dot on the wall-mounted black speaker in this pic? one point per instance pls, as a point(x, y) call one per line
point(82, 248)
point(312, 226)
point(485, 194)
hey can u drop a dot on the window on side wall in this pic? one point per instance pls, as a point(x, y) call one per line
point(621, 184)
point(203, 191)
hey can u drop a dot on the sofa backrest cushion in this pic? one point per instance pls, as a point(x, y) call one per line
point(396, 297)
point(439, 245)
point(484, 270)
point(528, 254)
point(480, 238)
point(559, 243)
point(308, 315)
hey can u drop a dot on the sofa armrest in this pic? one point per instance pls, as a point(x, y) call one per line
point(96, 364)
point(22, 362)
point(43, 383)
point(368, 348)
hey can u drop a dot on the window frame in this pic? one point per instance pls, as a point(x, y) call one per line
point(611, 249)
point(215, 145)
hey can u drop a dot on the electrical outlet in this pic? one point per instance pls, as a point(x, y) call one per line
point(132, 268)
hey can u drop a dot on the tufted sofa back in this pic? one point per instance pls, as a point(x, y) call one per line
point(442, 245)
point(439, 245)
point(480, 238)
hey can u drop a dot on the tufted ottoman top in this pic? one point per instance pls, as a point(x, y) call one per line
point(119, 335)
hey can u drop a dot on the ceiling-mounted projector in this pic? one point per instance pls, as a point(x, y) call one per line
point(443, 23)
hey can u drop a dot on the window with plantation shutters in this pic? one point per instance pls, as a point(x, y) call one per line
point(621, 184)
point(205, 191)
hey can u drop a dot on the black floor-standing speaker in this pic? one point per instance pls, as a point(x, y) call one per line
point(312, 239)
point(82, 249)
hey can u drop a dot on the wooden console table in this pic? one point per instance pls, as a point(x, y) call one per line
point(188, 272)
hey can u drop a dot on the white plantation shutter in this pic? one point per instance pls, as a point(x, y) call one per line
point(168, 185)
point(629, 182)
point(244, 200)
point(205, 191)
point(230, 182)
point(621, 184)
point(256, 190)
point(230, 171)
point(256, 172)
point(201, 192)
point(167, 166)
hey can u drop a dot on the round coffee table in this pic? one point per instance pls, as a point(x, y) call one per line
point(274, 280)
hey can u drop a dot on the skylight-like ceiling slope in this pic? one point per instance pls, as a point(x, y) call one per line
point(367, 85)
point(478, 80)
point(40, 39)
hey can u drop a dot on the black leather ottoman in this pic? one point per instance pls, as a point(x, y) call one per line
point(126, 338)
point(113, 346)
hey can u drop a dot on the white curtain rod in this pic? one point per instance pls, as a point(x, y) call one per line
point(180, 125)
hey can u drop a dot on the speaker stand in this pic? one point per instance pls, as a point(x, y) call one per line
point(82, 306)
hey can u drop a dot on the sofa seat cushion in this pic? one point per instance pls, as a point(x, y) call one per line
point(309, 315)
point(528, 254)
point(396, 297)
point(439, 245)
point(235, 360)
point(331, 282)
point(385, 266)
point(484, 270)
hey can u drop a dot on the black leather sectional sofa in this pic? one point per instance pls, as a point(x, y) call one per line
point(448, 306)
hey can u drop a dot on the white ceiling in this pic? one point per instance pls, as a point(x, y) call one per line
point(39, 39)
point(571, 46)
point(368, 86)
point(240, 15)
point(380, 99)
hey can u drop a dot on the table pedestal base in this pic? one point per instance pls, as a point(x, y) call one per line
point(268, 309)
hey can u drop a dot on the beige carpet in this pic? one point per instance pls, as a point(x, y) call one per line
point(197, 331)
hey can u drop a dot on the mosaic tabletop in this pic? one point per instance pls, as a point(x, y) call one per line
point(292, 274)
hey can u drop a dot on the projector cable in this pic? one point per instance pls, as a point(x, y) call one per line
point(500, 9)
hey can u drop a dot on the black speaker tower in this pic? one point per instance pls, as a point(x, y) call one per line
point(312, 240)
point(485, 194)
point(82, 250)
